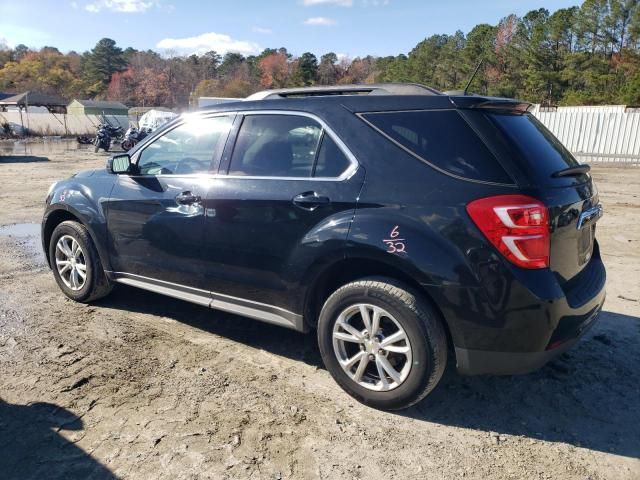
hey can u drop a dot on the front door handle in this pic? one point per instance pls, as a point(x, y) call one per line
point(310, 200)
point(187, 198)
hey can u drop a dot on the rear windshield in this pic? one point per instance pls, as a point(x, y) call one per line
point(443, 139)
point(534, 144)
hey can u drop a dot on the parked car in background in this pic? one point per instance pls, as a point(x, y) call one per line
point(400, 223)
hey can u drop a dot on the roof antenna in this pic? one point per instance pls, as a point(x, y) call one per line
point(474, 75)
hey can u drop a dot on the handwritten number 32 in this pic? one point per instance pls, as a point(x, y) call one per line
point(395, 244)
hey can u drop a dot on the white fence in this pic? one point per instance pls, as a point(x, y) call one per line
point(609, 133)
point(593, 134)
point(58, 124)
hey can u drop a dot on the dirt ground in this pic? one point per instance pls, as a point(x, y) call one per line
point(143, 386)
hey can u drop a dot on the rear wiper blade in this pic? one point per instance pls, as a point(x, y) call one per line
point(572, 171)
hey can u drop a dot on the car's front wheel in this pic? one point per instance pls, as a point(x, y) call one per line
point(75, 263)
point(384, 344)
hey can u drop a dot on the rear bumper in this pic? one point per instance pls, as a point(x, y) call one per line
point(481, 362)
point(537, 327)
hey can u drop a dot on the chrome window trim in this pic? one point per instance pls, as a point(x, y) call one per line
point(346, 175)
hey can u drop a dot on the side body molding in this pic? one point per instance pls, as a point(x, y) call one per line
point(226, 303)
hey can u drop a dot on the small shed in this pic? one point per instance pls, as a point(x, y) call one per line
point(23, 101)
point(96, 107)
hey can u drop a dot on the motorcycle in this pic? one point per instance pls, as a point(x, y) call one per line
point(103, 138)
point(133, 136)
point(117, 133)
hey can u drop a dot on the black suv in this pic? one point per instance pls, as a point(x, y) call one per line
point(398, 222)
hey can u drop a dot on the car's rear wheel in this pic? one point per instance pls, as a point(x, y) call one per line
point(75, 263)
point(384, 344)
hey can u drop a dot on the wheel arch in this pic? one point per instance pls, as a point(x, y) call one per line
point(350, 269)
point(56, 217)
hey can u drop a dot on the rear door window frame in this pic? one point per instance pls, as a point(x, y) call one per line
point(225, 163)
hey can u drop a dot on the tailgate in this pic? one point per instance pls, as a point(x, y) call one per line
point(548, 171)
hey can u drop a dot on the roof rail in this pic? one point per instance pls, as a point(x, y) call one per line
point(366, 89)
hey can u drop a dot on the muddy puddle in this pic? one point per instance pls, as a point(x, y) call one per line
point(27, 237)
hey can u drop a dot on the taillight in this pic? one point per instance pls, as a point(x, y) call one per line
point(517, 225)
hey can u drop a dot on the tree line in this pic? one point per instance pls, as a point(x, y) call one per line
point(576, 56)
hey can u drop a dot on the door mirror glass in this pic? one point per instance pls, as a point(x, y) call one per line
point(119, 164)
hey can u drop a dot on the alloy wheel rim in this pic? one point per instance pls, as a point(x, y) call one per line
point(71, 263)
point(372, 347)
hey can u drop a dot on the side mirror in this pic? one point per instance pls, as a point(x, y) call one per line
point(119, 164)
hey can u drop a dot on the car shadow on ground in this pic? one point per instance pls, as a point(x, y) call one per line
point(22, 159)
point(587, 398)
point(271, 338)
point(32, 447)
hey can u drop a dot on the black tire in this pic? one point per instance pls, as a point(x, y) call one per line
point(96, 284)
point(424, 330)
point(126, 145)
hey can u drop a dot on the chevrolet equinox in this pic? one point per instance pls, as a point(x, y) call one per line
point(404, 225)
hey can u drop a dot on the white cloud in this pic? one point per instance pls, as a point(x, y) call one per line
point(338, 3)
point(14, 35)
point(321, 21)
point(123, 6)
point(205, 42)
point(264, 31)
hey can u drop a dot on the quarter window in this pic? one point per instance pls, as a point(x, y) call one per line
point(444, 139)
point(187, 149)
point(331, 160)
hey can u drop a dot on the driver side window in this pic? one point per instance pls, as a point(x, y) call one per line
point(187, 149)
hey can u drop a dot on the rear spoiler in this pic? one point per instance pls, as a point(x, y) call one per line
point(491, 103)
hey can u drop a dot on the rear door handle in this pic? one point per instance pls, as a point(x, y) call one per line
point(310, 200)
point(187, 198)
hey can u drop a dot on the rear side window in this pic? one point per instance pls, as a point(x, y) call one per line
point(286, 146)
point(276, 146)
point(443, 139)
point(534, 144)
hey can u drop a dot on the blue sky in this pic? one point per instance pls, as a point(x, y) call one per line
point(346, 27)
